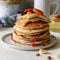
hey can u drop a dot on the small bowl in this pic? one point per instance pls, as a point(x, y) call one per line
point(55, 25)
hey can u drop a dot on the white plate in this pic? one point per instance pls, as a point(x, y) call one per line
point(6, 40)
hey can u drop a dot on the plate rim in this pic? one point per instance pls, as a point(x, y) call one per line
point(34, 48)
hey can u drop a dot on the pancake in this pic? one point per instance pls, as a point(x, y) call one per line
point(31, 27)
point(21, 33)
point(31, 16)
point(31, 31)
point(22, 42)
point(32, 38)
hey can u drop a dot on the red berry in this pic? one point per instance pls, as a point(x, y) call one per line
point(33, 44)
point(30, 10)
point(26, 10)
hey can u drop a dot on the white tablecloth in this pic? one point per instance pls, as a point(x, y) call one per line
point(7, 53)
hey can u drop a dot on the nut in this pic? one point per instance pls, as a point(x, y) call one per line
point(49, 57)
point(37, 11)
point(42, 51)
point(37, 54)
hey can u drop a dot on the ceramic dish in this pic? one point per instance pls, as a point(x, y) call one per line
point(6, 40)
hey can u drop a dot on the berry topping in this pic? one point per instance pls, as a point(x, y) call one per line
point(33, 44)
point(33, 10)
point(26, 10)
point(30, 10)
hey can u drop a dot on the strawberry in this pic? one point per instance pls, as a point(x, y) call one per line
point(33, 44)
point(30, 10)
point(26, 10)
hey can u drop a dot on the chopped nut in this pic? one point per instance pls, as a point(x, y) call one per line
point(42, 51)
point(39, 12)
point(49, 57)
point(37, 54)
point(58, 55)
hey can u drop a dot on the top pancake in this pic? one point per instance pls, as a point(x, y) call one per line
point(32, 23)
point(32, 20)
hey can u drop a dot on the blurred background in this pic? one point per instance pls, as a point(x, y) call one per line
point(9, 9)
point(26, 4)
point(52, 7)
point(30, 3)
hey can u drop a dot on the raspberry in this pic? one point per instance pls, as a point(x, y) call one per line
point(30, 10)
point(26, 10)
point(33, 44)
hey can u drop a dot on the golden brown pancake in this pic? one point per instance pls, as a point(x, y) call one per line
point(21, 33)
point(29, 43)
point(31, 30)
point(31, 38)
point(31, 27)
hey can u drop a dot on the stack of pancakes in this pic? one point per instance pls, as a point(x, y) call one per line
point(30, 28)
